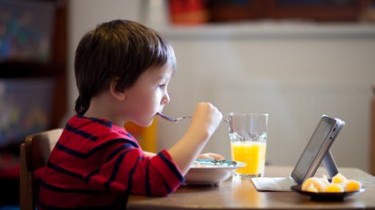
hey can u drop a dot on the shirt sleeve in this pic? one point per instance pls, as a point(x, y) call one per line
point(162, 165)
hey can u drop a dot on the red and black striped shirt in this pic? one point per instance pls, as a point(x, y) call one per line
point(96, 164)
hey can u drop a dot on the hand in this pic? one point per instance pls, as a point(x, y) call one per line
point(206, 118)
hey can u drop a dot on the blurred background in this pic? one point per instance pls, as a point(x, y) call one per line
point(295, 60)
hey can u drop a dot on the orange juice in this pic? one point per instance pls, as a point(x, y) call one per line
point(253, 153)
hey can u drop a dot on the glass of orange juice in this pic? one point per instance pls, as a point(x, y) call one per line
point(248, 135)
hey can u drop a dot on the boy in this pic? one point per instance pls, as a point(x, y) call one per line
point(122, 71)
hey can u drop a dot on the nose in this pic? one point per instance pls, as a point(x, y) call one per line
point(165, 99)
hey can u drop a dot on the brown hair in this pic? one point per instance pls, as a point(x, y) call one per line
point(117, 49)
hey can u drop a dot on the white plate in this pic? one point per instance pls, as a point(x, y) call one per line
point(205, 172)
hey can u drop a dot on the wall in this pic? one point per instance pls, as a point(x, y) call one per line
point(294, 71)
point(84, 15)
point(296, 75)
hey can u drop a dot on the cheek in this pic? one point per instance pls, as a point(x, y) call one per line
point(148, 100)
point(155, 101)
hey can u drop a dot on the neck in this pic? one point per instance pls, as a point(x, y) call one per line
point(102, 106)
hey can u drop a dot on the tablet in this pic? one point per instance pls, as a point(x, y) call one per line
point(317, 149)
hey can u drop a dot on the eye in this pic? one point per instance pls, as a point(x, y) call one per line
point(162, 86)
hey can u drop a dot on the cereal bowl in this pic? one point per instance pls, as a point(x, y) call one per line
point(211, 172)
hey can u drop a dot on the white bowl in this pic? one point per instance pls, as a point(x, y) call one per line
point(204, 174)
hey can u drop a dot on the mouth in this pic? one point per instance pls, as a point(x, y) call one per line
point(159, 112)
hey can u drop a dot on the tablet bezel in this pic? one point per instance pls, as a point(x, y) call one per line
point(330, 125)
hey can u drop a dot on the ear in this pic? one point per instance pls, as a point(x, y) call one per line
point(119, 95)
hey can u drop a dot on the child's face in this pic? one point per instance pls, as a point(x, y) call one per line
point(148, 95)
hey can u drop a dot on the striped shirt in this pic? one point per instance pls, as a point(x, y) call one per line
point(96, 164)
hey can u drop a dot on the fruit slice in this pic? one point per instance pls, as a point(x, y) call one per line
point(335, 188)
point(339, 179)
point(352, 185)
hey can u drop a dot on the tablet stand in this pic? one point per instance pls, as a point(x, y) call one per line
point(329, 164)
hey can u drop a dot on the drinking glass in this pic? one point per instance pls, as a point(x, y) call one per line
point(248, 135)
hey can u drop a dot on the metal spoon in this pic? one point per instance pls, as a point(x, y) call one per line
point(173, 119)
point(177, 119)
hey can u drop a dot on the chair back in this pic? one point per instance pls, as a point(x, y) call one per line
point(34, 153)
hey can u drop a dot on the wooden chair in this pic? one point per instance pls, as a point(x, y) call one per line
point(34, 153)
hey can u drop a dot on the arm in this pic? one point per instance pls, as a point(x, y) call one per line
point(205, 120)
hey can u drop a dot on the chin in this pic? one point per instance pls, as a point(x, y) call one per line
point(150, 123)
point(145, 123)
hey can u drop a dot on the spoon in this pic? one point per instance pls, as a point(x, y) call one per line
point(173, 119)
point(177, 119)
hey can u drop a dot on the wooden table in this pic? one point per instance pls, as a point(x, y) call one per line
point(241, 194)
